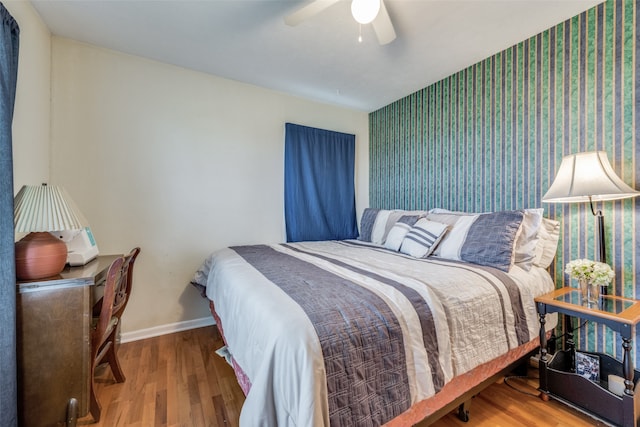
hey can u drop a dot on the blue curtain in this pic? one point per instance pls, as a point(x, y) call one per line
point(9, 35)
point(320, 202)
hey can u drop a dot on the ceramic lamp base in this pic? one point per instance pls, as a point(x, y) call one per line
point(39, 255)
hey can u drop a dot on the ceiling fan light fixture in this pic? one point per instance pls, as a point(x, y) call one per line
point(365, 11)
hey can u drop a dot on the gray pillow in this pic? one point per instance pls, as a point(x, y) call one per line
point(366, 223)
point(491, 238)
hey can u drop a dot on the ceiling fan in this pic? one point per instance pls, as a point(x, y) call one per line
point(363, 11)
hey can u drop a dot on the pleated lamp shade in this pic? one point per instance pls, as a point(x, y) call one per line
point(39, 210)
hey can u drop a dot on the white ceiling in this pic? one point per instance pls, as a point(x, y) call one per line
point(320, 59)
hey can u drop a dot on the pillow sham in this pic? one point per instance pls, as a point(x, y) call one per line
point(384, 222)
point(524, 251)
point(423, 238)
point(459, 224)
point(484, 239)
point(491, 238)
point(524, 248)
point(366, 223)
point(547, 245)
point(399, 231)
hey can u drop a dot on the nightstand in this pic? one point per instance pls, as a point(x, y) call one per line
point(558, 378)
point(53, 343)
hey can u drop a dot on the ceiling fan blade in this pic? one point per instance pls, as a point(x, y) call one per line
point(308, 11)
point(383, 27)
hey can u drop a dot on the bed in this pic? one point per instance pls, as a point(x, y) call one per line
point(390, 329)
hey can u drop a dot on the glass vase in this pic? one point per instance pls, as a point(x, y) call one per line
point(590, 292)
point(593, 293)
point(584, 289)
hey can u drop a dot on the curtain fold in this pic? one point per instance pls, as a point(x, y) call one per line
point(319, 184)
point(9, 35)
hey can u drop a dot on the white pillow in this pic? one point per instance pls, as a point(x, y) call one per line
point(547, 245)
point(524, 250)
point(379, 227)
point(423, 237)
point(396, 235)
point(385, 220)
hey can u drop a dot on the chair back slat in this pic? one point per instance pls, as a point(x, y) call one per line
point(123, 291)
point(113, 280)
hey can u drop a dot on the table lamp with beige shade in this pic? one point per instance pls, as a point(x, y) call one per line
point(40, 210)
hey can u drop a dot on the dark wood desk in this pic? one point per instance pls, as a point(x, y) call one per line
point(53, 343)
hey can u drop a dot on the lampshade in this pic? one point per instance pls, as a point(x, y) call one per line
point(39, 210)
point(365, 11)
point(45, 208)
point(587, 176)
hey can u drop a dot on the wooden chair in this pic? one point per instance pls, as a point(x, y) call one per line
point(117, 289)
point(122, 297)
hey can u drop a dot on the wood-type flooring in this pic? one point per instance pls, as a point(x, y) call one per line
point(178, 380)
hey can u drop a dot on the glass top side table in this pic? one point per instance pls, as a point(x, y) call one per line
point(618, 313)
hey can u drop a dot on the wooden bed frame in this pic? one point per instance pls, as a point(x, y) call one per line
point(457, 393)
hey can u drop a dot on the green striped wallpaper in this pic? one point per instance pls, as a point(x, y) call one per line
point(492, 136)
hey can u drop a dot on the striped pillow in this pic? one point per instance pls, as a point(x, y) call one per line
point(423, 237)
point(376, 224)
point(399, 231)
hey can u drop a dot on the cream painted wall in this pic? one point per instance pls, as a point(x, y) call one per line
point(31, 118)
point(178, 162)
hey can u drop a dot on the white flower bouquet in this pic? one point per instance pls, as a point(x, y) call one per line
point(595, 272)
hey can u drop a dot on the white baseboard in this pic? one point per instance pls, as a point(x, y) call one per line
point(166, 329)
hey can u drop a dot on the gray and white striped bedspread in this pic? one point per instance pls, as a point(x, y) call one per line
point(351, 334)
